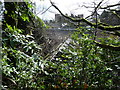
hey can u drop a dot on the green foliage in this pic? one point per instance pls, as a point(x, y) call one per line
point(80, 64)
point(83, 64)
point(22, 61)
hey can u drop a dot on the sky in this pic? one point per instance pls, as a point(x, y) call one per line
point(67, 6)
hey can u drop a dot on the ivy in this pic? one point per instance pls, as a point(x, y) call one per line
point(80, 64)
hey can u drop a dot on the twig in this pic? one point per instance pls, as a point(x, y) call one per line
point(107, 28)
point(45, 10)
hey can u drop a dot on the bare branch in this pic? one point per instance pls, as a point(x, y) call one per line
point(99, 4)
point(102, 27)
point(110, 6)
point(46, 9)
point(95, 10)
point(107, 28)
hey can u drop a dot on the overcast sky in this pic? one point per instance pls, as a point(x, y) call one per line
point(67, 6)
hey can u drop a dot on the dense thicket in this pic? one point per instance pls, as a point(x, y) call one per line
point(21, 53)
point(81, 64)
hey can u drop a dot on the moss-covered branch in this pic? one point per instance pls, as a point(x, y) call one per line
point(111, 47)
point(99, 26)
point(110, 6)
point(102, 27)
